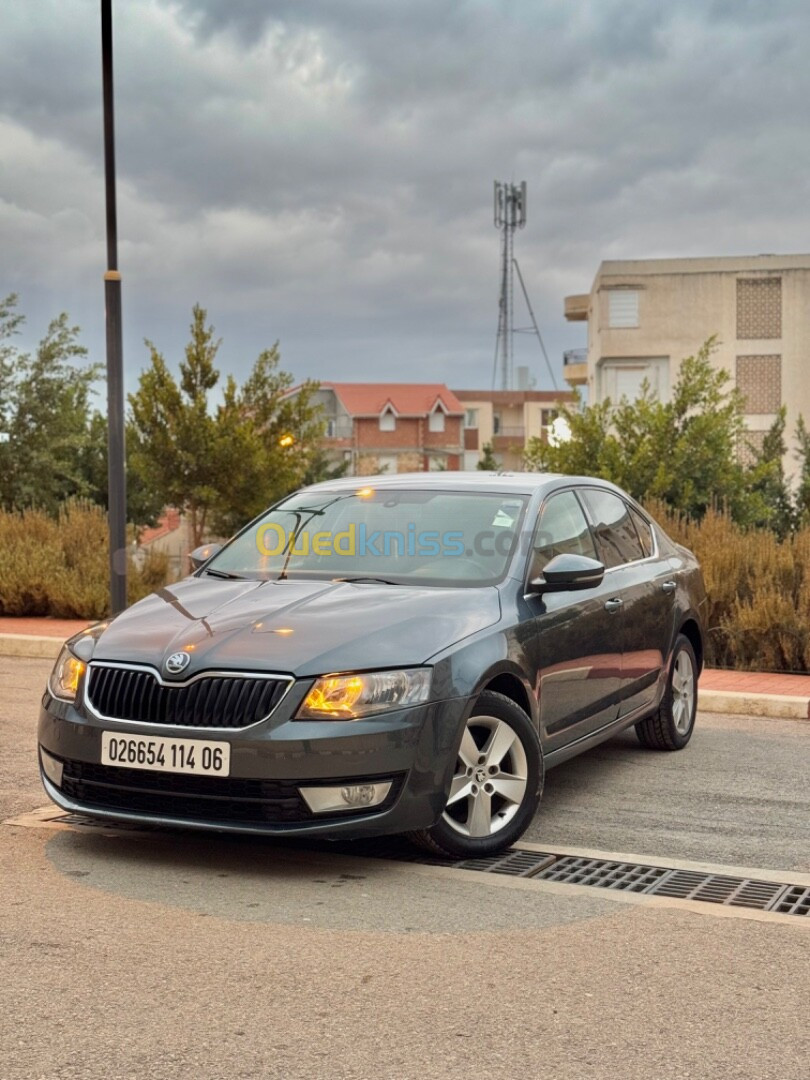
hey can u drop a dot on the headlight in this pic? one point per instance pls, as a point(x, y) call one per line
point(64, 680)
point(348, 697)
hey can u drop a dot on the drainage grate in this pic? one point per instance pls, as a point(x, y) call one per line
point(720, 889)
point(628, 877)
point(795, 901)
point(516, 863)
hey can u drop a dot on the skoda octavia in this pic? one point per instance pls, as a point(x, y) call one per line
point(398, 654)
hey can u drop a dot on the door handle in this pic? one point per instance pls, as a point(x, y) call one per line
point(613, 605)
point(669, 586)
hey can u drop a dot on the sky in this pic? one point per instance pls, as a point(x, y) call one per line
point(319, 172)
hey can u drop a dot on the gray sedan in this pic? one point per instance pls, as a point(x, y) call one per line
point(396, 654)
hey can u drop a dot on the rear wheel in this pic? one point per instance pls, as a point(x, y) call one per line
point(496, 786)
point(672, 726)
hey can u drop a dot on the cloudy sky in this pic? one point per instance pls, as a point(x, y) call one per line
point(320, 171)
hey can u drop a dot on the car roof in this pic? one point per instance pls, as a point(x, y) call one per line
point(523, 483)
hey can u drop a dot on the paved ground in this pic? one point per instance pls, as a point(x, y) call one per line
point(173, 956)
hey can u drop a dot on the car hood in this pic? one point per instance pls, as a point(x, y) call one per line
point(296, 627)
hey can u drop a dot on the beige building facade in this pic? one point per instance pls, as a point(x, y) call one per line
point(506, 420)
point(645, 316)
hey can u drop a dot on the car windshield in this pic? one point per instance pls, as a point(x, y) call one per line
point(392, 535)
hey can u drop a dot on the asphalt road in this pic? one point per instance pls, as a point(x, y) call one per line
point(174, 955)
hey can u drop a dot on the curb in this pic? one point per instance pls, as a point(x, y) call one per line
point(774, 706)
point(30, 645)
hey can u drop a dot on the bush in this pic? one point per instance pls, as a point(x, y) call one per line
point(758, 588)
point(59, 566)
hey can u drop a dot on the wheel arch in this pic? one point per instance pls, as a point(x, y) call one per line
point(691, 631)
point(511, 686)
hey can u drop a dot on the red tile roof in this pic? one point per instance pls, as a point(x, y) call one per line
point(166, 524)
point(407, 399)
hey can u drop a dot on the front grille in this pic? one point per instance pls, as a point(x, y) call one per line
point(230, 800)
point(212, 701)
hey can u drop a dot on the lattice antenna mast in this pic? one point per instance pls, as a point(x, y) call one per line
point(510, 214)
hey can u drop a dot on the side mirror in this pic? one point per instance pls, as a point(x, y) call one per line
point(200, 556)
point(567, 573)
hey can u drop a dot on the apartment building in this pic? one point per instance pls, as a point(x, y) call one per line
point(645, 316)
point(506, 419)
point(392, 427)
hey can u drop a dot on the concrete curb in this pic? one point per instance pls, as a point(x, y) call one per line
point(30, 645)
point(773, 706)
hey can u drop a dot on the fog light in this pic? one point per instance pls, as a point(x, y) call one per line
point(51, 767)
point(324, 800)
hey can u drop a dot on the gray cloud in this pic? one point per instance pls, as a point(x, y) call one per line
point(321, 171)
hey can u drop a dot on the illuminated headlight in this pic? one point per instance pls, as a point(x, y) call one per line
point(349, 697)
point(64, 680)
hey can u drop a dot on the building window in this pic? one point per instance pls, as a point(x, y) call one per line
point(759, 380)
point(471, 418)
point(388, 422)
point(620, 378)
point(436, 420)
point(750, 447)
point(622, 308)
point(759, 308)
point(331, 426)
point(496, 423)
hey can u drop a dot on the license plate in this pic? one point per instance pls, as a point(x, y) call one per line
point(200, 756)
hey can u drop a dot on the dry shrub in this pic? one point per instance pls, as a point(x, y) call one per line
point(758, 589)
point(60, 567)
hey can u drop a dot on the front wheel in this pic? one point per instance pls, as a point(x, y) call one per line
point(497, 783)
point(672, 726)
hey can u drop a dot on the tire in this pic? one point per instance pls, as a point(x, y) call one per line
point(479, 819)
point(671, 727)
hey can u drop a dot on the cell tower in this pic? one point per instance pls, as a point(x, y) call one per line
point(510, 214)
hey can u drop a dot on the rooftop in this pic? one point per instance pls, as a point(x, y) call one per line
point(406, 399)
point(714, 264)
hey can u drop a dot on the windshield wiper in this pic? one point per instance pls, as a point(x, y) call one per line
point(224, 574)
point(374, 580)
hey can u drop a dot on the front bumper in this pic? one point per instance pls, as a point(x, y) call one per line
point(414, 748)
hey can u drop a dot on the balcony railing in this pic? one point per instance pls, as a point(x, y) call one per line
point(575, 356)
point(511, 432)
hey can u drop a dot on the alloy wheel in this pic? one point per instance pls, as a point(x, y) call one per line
point(491, 777)
point(683, 692)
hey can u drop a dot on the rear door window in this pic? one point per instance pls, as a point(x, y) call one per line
point(644, 530)
point(615, 532)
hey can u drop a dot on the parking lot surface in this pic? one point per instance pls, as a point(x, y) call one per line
point(178, 955)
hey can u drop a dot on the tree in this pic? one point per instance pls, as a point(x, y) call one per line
point(803, 457)
point(684, 452)
point(221, 464)
point(488, 462)
point(772, 504)
point(45, 412)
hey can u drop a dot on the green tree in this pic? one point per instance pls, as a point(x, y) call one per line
point(488, 462)
point(802, 455)
point(684, 452)
point(44, 413)
point(220, 463)
point(772, 505)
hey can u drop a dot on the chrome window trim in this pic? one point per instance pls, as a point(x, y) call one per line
point(149, 725)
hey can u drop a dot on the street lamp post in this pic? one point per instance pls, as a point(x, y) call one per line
point(116, 475)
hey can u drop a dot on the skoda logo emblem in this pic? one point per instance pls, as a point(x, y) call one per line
point(177, 662)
